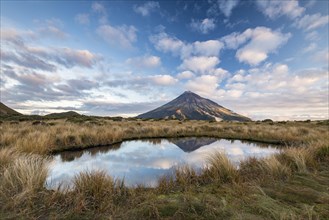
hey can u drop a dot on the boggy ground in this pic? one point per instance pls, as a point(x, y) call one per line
point(290, 185)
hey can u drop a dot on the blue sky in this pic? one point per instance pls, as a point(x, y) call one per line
point(263, 59)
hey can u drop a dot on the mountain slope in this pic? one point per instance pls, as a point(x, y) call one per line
point(6, 111)
point(192, 106)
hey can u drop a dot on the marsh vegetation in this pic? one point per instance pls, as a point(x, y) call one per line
point(290, 185)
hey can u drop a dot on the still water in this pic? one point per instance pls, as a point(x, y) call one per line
point(144, 161)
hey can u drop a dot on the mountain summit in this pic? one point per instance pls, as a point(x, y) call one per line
point(192, 106)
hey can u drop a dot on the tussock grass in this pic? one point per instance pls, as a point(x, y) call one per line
point(182, 178)
point(220, 169)
point(22, 181)
point(94, 190)
point(24, 174)
point(7, 156)
point(62, 135)
point(274, 169)
point(321, 153)
point(290, 185)
point(259, 170)
point(98, 191)
point(299, 159)
point(185, 176)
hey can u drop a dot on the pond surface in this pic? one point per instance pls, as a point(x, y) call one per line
point(144, 161)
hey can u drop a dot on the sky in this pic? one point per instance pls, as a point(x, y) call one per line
point(262, 59)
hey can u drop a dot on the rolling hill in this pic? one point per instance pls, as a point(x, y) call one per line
point(68, 114)
point(6, 111)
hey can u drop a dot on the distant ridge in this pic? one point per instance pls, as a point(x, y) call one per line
point(63, 114)
point(6, 111)
point(194, 107)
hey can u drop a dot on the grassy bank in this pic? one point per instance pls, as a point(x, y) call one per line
point(290, 185)
point(58, 135)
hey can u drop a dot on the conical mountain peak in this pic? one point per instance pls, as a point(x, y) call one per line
point(194, 107)
point(188, 92)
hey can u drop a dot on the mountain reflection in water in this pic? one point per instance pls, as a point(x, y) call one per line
point(144, 161)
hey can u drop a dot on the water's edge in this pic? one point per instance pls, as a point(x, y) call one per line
point(151, 158)
point(79, 148)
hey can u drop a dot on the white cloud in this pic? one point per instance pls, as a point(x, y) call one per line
point(203, 26)
point(123, 35)
point(203, 85)
point(144, 62)
point(312, 36)
point(234, 93)
point(310, 3)
point(199, 57)
point(280, 69)
point(236, 86)
point(79, 57)
point(220, 72)
point(199, 64)
point(146, 8)
point(185, 75)
point(53, 31)
point(277, 79)
point(274, 8)
point(207, 48)
point(165, 43)
point(82, 19)
point(100, 9)
point(226, 6)
point(235, 39)
point(238, 76)
point(46, 28)
point(18, 51)
point(164, 80)
point(311, 47)
point(270, 91)
point(260, 42)
point(251, 56)
point(322, 57)
point(311, 22)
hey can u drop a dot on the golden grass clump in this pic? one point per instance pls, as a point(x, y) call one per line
point(7, 156)
point(35, 142)
point(321, 153)
point(298, 159)
point(220, 169)
point(23, 179)
point(273, 168)
point(94, 184)
point(185, 176)
point(250, 170)
point(98, 191)
point(165, 184)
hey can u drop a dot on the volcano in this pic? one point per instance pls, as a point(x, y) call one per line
point(193, 107)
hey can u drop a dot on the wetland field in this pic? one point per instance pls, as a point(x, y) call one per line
point(163, 169)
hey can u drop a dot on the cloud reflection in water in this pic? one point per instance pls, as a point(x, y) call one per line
point(144, 161)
